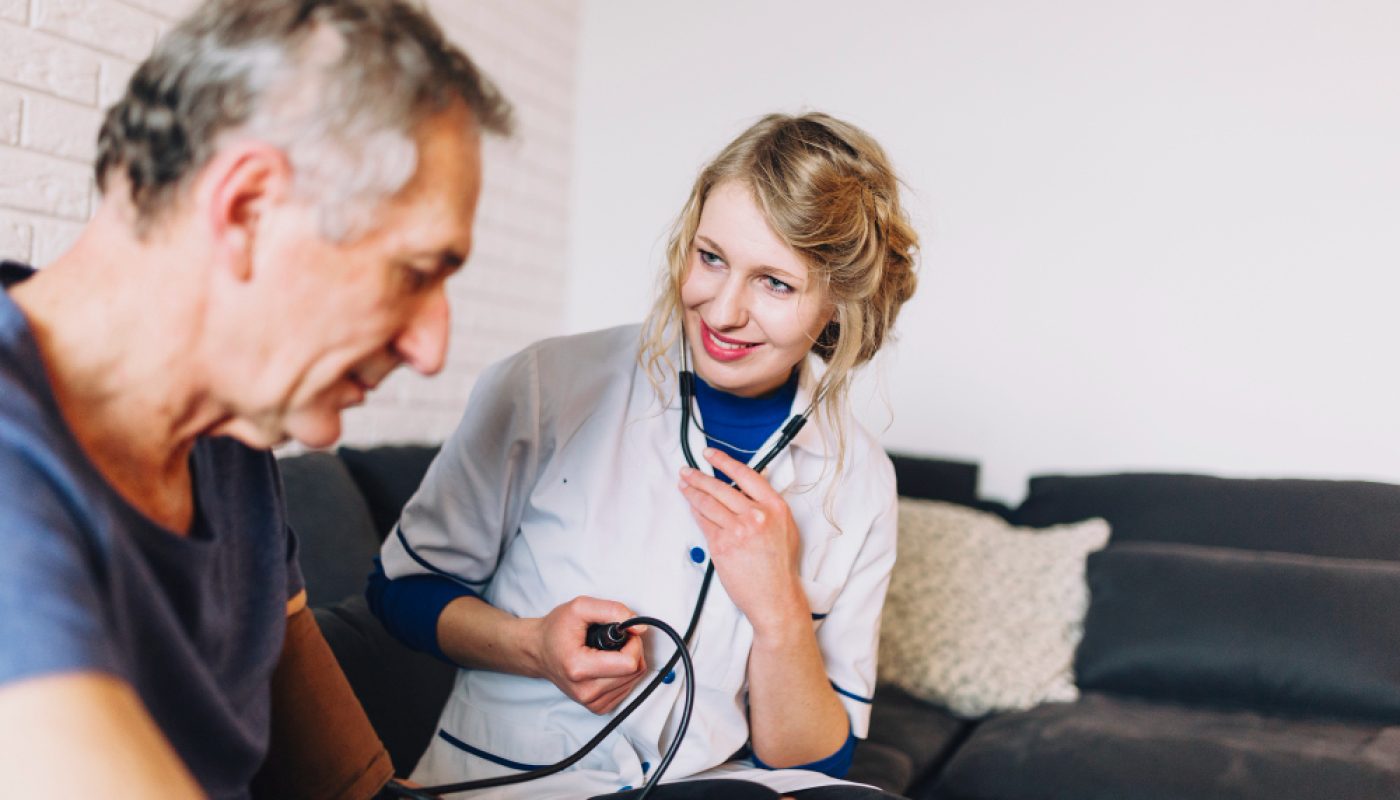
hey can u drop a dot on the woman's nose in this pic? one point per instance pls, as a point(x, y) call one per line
point(728, 309)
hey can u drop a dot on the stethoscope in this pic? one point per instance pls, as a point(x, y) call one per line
point(608, 636)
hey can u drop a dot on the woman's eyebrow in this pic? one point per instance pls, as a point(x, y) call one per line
point(711, 244)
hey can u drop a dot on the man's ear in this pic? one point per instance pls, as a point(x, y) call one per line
point(236, 190)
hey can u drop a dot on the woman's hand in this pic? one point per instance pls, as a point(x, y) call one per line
point(597, 679)
point(753, 540)
point(795, 716)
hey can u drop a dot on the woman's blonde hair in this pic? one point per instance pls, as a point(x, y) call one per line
point(828, 191)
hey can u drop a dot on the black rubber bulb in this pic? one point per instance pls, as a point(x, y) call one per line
point(605, 636)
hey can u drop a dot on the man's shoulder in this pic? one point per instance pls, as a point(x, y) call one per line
point(24, 387)
point(33, 436)
point(12, 272)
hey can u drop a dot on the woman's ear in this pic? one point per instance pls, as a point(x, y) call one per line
point(235, 192)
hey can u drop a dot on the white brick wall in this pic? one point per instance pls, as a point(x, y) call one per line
point(67, 60)
point(512, 291)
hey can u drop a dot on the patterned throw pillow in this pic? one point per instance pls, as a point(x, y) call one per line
point(984, 617)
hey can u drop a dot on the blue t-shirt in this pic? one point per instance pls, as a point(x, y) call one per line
point(88, 584)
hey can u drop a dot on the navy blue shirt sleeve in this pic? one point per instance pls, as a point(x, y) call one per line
point(409, 607)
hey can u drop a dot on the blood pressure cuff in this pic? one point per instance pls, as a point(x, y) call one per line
point(322, 744)
point(1269, 631)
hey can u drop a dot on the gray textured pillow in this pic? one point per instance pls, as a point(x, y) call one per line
point(984, 617)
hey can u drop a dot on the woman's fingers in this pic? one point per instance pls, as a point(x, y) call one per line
point(749, 482)
point(711, 486)
point(708, 528)
point(592, 664)
point(613, 697)
point(607, 693)
point(593, 609)
point(581, 672)
point(707, 506)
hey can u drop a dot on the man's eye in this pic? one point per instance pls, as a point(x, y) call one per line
point(416, 279)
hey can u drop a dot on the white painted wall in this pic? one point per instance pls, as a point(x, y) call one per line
point(1157, 235)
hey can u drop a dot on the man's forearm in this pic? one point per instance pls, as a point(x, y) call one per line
point(85, 734)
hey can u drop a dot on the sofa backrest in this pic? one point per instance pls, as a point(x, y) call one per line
point(941, 479)
point(335, 532)
point(1276, 595)
point(1225, 626)
point(1342, 519)
point(387, 476)
point(341, 505)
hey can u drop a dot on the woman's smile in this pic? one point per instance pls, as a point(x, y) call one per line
point(724, 348)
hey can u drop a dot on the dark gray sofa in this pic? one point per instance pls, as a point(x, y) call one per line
point(1243, 640)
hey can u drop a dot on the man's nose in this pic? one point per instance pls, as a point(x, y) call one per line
point(423, 343)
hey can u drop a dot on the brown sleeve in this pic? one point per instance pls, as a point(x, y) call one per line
point(322, 746)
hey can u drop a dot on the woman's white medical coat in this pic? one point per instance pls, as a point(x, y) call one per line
point(561, 481)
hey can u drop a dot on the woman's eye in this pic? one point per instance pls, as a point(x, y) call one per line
point(710, 259)
point(776, 285)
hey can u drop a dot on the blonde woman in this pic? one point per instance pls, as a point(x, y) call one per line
point(562, 500)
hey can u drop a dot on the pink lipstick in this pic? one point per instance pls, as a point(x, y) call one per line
point(723, 348)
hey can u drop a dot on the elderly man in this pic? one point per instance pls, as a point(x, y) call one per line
point(287, 185)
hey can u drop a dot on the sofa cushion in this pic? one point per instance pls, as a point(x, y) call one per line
point(924, 734)
point(1345, 519)
point(1107, 748)
point(402, 691)
point(1264, 630)
point(334, 529)
point(880, 765)
point(982, 617)
point(388, 476)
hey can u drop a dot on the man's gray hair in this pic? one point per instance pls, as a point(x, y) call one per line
point(339, 85)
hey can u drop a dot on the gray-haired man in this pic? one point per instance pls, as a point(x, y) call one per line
point(287, 184)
